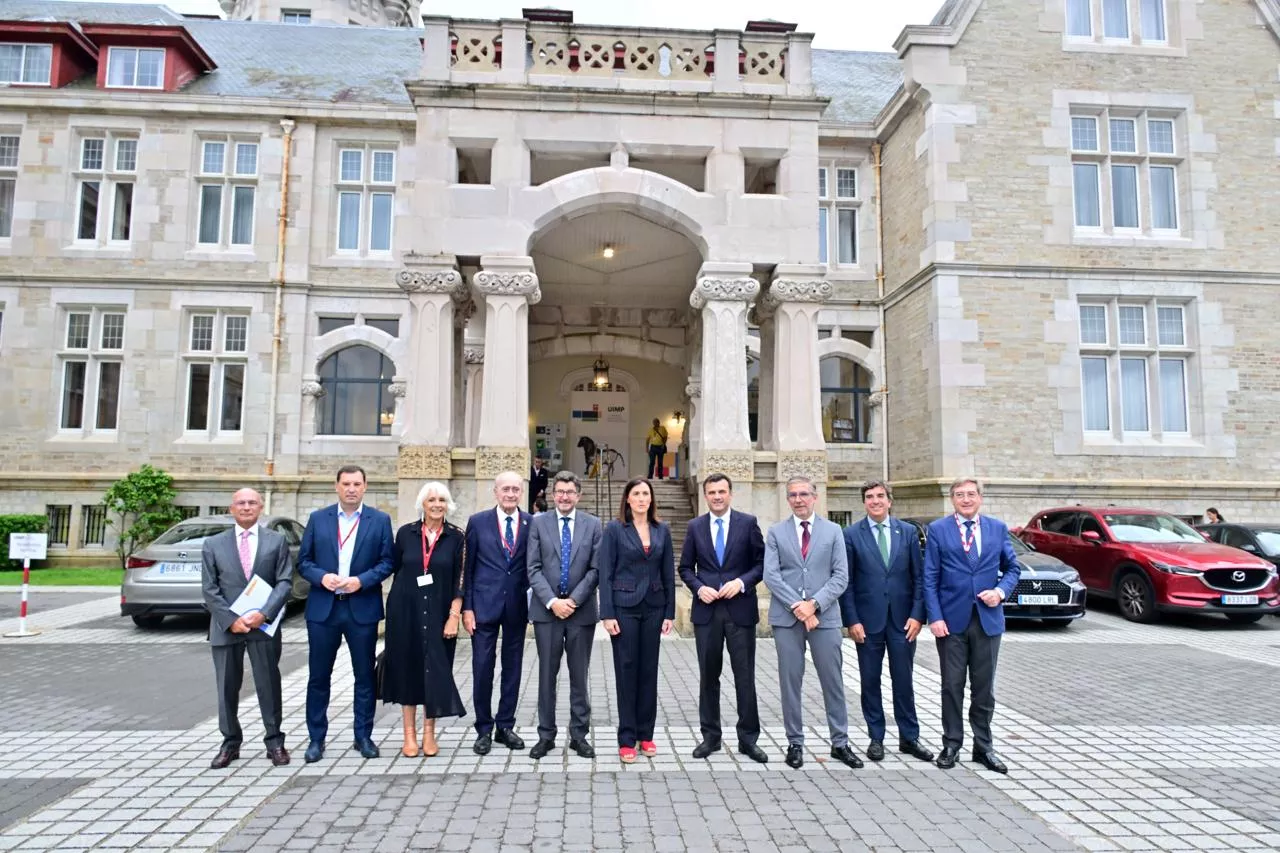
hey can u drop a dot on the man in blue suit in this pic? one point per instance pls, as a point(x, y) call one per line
point(346, 554)
point(883, 609)
point(969, 570)
point(721, 567)
point(494, 600)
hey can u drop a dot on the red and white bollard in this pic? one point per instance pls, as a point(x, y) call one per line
point(22, 613)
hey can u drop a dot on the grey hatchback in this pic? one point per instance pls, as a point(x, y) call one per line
point(163, 578)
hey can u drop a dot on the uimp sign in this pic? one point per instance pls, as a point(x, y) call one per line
point(28, 546)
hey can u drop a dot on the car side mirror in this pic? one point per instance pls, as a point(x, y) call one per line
point(1250, 547)
point(1091, 536)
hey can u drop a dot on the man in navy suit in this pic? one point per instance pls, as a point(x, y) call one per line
point(721, 562)
point(883, 609)
point(495, 582)
point(969, 570)
point(346, 554)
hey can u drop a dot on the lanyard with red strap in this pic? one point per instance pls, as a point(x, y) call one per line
point(343, 540)
point(427, 552)
point(967, 537)
point(515, 535)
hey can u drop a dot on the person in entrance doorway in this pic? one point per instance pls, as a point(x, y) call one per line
point(494, 601)
point(883, 610)
point(721, 562)
point(969, 570)
point(228, 562)
point(805, 570)
point(538, 476)
point(657, 444)
point(346, 554)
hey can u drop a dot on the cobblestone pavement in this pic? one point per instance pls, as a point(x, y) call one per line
point(1118, 737)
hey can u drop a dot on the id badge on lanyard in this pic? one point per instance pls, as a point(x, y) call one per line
point(425, 579)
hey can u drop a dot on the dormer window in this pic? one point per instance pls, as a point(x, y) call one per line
point(295, 16)
point(135, 68)
point(26, 64)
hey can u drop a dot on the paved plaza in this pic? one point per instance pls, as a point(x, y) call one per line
point(1118, 737)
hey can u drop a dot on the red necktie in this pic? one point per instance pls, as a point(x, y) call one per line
point(804, 539)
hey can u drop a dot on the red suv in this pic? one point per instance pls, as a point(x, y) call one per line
point(1150, 561)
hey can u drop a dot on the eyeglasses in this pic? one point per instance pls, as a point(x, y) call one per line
point(565, 492)
point(964, 494)
point(791, 496)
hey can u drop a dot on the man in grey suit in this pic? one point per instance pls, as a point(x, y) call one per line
point(806, 570)
point(229, 560)
point(561, 560)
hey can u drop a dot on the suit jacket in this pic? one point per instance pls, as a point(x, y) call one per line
point(743, 560)
point(222, 580)
point(543, 563)
point(537, 482)
point(629, 576)
point(951, 585)
point(879, 594)
point(492, 579)
point(822, 576)
point(371, 562)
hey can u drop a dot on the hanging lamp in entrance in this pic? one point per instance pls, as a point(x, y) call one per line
point(601, 368)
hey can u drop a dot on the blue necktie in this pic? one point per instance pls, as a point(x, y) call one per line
point(972, 553)
point(720, 541)
point(566, 543)
point(511, 538)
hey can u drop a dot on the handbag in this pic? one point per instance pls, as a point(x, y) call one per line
point(379, 673)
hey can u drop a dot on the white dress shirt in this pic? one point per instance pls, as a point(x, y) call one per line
point(348, 530)
point(515, 524)
point(716, 518)
point(888, 534)
point(977, 530)
point(800, 530)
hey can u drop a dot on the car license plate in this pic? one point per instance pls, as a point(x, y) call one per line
point(174, 570)
point(1239, 599)
point(1037, 599)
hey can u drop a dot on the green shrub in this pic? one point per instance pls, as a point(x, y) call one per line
point(17, 524)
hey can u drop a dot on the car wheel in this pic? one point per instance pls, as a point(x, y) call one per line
point(1135, 596)
point(148, 621)
point(1243, 618)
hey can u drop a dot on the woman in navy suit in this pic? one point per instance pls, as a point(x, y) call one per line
point(637, 606)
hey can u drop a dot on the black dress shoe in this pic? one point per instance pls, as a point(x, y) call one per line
point(948, 757)
point(315, 752)
point(915, 748)
point(754, 752)
point(366, 747)
point(991, 761)
point(225, 756)
point(845, 755)
point(541, 748)
point(795, 756)
point(279, 756)
point(508, 738)
point(483, 744)
point(875, 750)
point(583, 748)
point(704, 749)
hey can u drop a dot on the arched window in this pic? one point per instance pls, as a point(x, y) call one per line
point(357, 393)
point(846, 390)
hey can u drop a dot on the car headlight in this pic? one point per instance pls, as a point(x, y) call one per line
point(1171, 569)
point(1071, 577)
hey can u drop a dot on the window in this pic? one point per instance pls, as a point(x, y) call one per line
point(357, 398)
point(135, 67)
point(59, 524)
point(26, 64)
point(1131, 184)
point(93, 526)
point(838, 214)
point(846, 392)
point(390, 326)
point(1139, 383)
point(295, 16)
point(215, 360)
point(8, 182)
point(329, 324)
point(90, 361)
point(1111, 21)
point(227, 191)
point(186, 512)
point(366, 200)
point(105, 176)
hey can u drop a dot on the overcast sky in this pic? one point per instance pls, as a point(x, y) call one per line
point(844, 24)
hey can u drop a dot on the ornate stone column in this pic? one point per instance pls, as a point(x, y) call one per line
point(432, 284)
point(762, 316)
point(795, 296)
point(506, 287)
point(464, 309)
point(473, 391)
point(722, 295)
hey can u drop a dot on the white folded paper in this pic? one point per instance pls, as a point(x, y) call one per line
point(255, 597)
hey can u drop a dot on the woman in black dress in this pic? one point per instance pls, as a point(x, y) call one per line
point(424, 609)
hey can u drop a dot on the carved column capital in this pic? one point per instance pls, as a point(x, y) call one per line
point(412, 280)
point(473, 355)
point(815, 290)
point(506, 283)
point(398, 389)
point(723, 289)
point(693, 390)
point(312, 388)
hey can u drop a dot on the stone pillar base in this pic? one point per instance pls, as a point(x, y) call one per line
point(492, 461)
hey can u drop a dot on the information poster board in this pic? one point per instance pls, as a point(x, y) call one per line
point(599, 420)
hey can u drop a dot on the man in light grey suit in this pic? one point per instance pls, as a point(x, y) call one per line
point(806, 570)
point(229, 560)
point(561, 560)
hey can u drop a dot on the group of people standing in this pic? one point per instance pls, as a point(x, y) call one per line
point(564, 571)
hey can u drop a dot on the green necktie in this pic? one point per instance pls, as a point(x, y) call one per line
point(883, 543)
